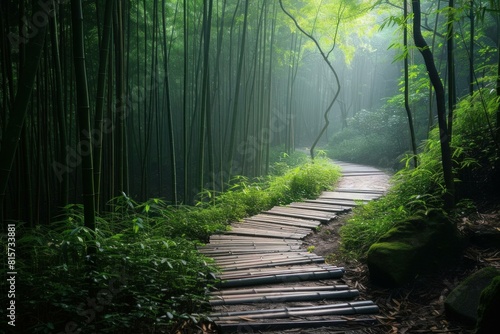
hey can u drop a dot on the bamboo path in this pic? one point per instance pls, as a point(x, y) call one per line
point(269, 281)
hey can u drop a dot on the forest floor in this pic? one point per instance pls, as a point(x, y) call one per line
point(417, 307)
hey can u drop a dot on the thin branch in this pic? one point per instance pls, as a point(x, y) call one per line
point(325, 58)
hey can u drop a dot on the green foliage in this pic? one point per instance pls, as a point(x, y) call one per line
point(146, 272)
point(305, 181)
point(281, 162)
point(381, 136)
point(139, 273)
point(420, 190)
point(375, 137)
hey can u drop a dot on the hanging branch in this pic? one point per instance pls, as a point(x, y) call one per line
point(325, 58)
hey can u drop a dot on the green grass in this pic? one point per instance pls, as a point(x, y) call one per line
point(147, 275)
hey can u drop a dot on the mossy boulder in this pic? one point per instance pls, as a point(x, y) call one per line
point(463, 301)
point(416, 246)
point(488, 311)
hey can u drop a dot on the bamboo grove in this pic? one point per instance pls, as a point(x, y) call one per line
point(169, 98)
point(148, 98)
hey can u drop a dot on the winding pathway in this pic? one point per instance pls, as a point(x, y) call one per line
point(271, 282)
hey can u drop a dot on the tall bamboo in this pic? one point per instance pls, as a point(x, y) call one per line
point(10, 138)
point(99, 103)
point(83, 112)
point(235, 114)
point(406, 89)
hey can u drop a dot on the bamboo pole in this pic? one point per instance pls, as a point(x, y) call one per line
point(286, 297)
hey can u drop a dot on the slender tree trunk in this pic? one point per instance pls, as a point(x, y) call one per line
point(269, 134)
point(205, 90)
point(452, 99)
point(237, 89)
point(185, 107)
point(101, 84)
point(407, 104)
point(471, 48)
point(171, 136)
point(430, 122)
point(449, 196)
point(59, 107)
point(218, 96)
point(121, 184)
point(83, 111)
point(498, 77)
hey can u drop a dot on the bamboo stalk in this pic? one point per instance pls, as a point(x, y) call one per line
point(285, 297)
point(256, 259)
point(371, 309)
point(361, 191)
point(245, 231)
point(288, 277)
point(249, 251)
point(274, 263)
point(281, 289)
point(341, 195)
point(282, 212)
point(333, 201)
point(273, 227)
point(299, 308)
point(269, 242)
point(234, 327)
point(319, 207)
point(285, 220)
point(223, 237)
point(264, 257)
point(311, 290)
point(260, 272)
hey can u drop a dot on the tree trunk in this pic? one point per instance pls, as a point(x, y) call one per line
point(449, 196)
point(101, 77)
point(450, 56)
point(173, 161)
point(205, 92)
point(83, 112)
point(237, 90)
point(407, 105)
point(59, 108)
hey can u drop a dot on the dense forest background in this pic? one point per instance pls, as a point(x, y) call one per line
point(173, 97)
point(168, 98)
point(183, 95)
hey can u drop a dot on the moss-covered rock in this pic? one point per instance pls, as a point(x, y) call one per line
point(416, 246)
point(488, 311)
point(462, 303)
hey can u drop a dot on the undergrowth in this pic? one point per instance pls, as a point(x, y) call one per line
point(146, 274)
point(420, 190)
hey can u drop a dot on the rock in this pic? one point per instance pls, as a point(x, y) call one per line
point(416, 246)
point(485, 235)
point(462, 303)
point(489, 308)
